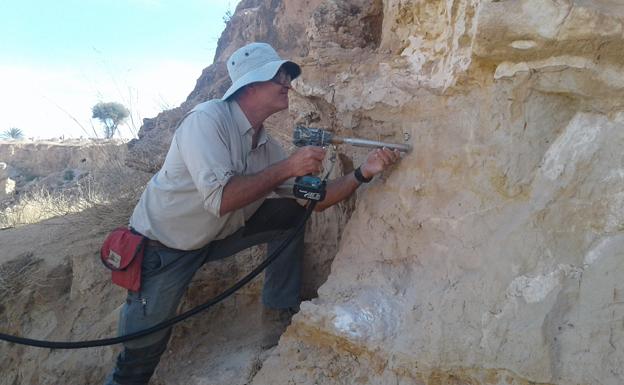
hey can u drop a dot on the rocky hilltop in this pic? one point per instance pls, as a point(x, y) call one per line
point(492, 254)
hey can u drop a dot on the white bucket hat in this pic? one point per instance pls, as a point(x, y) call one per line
point(256, 62)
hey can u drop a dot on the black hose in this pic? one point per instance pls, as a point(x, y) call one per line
point(174, 320)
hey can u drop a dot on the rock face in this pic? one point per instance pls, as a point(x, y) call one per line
point(492, 254)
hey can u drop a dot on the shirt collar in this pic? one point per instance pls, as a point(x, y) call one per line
point(239, 117)
point(244, 127)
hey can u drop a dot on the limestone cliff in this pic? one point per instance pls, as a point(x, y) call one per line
point(493, 253)
point(41, 158)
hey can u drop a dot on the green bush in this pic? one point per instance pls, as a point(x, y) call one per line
point(111, 115)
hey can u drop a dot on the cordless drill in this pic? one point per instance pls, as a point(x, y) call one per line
point(312, 187)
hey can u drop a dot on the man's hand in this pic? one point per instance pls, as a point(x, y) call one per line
point(241, 190)
point(379, 160)
point(306, 160)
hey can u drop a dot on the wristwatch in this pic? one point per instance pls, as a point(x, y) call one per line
point(360, 178)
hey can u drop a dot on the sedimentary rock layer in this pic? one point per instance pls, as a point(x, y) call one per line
point(492, 254)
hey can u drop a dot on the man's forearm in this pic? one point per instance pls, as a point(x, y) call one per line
point(242, 190)
point(338, 190)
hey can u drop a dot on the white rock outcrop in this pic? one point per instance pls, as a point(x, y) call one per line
point(7, 185)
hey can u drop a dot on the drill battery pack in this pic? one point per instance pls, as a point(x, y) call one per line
point(309, 187)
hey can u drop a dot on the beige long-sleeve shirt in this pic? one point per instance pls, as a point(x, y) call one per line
point(180, 205)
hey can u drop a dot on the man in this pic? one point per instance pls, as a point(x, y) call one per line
point(208, 201)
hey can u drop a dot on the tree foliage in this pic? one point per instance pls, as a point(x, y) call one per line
point(111, 115)
point(12, 133)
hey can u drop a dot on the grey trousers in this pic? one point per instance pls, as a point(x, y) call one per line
point(168, 272)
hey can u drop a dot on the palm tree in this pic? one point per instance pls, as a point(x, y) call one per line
point(12, 133)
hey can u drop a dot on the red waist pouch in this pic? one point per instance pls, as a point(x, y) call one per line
point(122, 252)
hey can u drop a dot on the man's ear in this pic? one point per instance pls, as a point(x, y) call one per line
point(243, 92)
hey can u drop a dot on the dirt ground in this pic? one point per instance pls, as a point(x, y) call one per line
point(54, 287)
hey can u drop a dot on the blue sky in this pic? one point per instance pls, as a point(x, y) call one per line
point(59, 58)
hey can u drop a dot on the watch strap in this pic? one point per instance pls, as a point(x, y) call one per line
point(360, 178)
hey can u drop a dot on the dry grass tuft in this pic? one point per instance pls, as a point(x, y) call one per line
point(105, 196)
point(118, 189)
point(43, 204)
point(15, 274)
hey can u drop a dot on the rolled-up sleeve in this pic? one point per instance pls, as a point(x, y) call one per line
point(204, 148)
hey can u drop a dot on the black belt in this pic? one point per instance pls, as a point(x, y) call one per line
point(154, 243)
point(151, 242)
